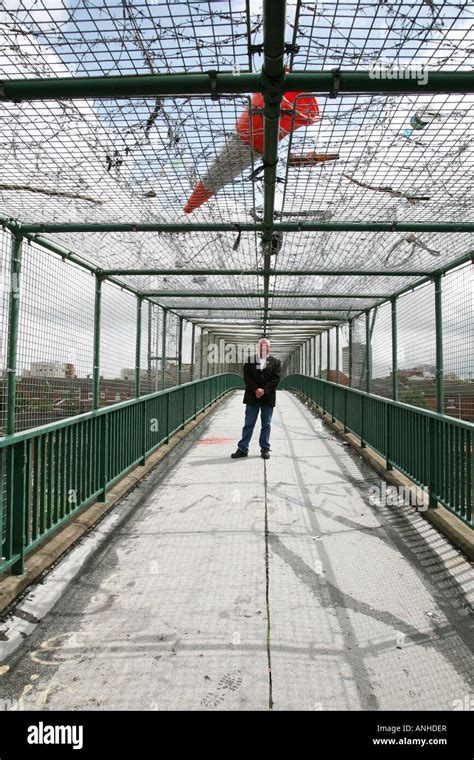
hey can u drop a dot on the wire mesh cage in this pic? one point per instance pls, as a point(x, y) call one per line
point(108, 159)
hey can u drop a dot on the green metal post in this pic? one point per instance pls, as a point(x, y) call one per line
point(163, 348)
point(328, 336)
point(138, 347)
point(320, 372)
point(394, 350)
point(273, 78)
point(368, 368)
point(193, 349)
point(21, 481)
point(210, 340)
point(96, 350)
point(201, 354)
point(16, 455)
point(337, 353)
point(439, 346)
point(351, 338)
point(180, 349)
point(149, 345)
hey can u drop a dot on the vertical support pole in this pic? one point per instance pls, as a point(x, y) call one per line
point(368, 368)
point(180, 349)
point(15, 523)
point(310, 355)
point(103, 455)
point(193, 349)
point(149, 347)
point(439, 346)
point(351, 338)
point(13, 321)
point(328, 335)
point(20, 502)
point(221, 354)
point(337, 353)
point(394, 350)
point(96, 350)
point(201, 354)
point(320, 373)
point(209, 341)
point(163, 348)
point(157, 344)
point(138, 346)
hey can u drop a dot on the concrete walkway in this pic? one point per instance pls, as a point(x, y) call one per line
point(213, 568)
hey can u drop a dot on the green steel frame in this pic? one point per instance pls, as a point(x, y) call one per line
point(37, 227)
point(272, 79)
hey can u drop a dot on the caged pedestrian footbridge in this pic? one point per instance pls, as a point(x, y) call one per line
point(178, 182)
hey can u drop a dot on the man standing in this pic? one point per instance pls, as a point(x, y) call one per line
point(261, 375)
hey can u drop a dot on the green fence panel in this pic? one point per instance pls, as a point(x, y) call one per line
point(433, 450)
point(47, 474)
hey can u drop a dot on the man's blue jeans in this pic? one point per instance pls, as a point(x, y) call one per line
point(251, 414)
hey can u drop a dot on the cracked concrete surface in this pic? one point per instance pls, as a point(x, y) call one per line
point(166, 605)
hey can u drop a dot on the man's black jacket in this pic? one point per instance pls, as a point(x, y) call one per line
point(267, 379)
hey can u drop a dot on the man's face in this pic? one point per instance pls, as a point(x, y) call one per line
point(263, 348)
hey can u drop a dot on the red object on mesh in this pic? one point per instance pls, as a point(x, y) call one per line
point(250, 126)
point(199, 196)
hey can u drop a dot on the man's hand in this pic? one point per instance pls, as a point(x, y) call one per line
point(259, 392)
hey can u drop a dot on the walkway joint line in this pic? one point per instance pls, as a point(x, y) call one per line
point(267, 592)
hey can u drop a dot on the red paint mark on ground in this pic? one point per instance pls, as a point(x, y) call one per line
point(212, 441)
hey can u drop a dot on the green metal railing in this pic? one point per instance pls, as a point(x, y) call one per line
point(433, 450)
point(49, 473)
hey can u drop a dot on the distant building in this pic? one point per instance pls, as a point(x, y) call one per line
point(335, 376)
point(51, 369)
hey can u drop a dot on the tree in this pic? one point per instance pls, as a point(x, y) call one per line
point(415, 397)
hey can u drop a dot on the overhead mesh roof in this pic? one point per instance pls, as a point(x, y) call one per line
point(138, 160)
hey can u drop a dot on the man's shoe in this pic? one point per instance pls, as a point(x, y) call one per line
point(265, 454)
point(238, 454)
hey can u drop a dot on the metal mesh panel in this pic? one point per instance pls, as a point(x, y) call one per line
point(149, 376)
point(344, 354)
point(381, 350)
point(359, 363)
point(458, 342)
point(117, 345)
point(55, 339)
point(324, 355)
point(416, 347)
point(171, 373)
